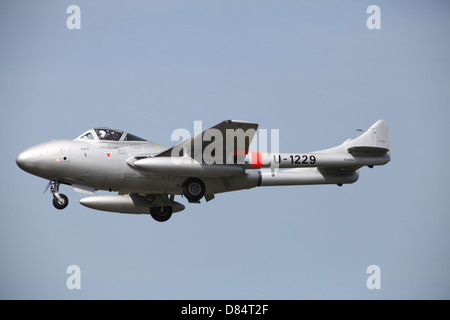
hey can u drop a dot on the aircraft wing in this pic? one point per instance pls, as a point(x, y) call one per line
point(224, 143)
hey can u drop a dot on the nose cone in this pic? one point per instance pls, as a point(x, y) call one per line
point(24, 160)
point(43, 160)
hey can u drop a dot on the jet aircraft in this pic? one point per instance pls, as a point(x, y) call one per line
point(148, 176)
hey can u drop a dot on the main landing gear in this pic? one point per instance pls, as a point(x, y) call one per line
point(161, 214)
point(194, 189)
point(60, 201)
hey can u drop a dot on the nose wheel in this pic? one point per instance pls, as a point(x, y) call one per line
point(60, 201)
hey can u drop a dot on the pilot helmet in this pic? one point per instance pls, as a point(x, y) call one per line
point(102, 134)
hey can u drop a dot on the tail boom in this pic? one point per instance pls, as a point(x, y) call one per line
point(338, 165)
point(319, 159)
point(307, 176)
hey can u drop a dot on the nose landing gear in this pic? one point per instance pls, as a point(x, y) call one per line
point(60, 201)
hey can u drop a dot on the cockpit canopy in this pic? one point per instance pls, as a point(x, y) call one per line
point(108, 134)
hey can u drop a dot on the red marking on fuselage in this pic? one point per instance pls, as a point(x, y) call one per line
point(256, 159)
point(240, 152)
point(108, 154)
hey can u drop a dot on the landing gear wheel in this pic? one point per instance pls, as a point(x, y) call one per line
point(193, 189)
point(60, 203)
point(161, 214)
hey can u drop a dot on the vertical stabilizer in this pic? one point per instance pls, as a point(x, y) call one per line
point(373, 140)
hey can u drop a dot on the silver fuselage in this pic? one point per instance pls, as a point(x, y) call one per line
point(103, 166)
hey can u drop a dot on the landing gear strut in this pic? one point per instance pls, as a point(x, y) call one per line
point(60, 201)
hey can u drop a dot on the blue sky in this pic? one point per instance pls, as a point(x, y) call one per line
point(311, 69)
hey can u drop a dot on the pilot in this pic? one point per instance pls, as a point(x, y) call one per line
point(102, 134)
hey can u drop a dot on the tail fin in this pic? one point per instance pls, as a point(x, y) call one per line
point(372, 148)
point(374, 140)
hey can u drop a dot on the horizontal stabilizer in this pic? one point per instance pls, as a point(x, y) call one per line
point(367, 150)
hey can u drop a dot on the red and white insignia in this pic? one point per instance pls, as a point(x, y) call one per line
point(108, 154)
